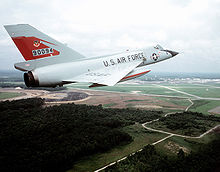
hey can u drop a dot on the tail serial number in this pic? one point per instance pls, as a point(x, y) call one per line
point(42, 51)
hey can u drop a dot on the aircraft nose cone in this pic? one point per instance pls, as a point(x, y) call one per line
point(173, 53)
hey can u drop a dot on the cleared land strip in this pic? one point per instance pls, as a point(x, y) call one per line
point(182, 92)
point(187, 108)
point(179, 91)
point(158, 95)
point(150, 95)
point(162, 139)
point(160, 131)
point(179, 135)
point(164, 132)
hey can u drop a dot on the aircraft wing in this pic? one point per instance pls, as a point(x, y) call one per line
point(107, 76)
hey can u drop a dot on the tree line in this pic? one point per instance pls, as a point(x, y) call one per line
point(205, 159)
point(38, 138)
point(189, 123)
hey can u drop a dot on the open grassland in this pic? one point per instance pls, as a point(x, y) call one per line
point(129, 88)
point(186, 85)
point(109, 105)
point(171, 146)
point(194, 89)
point(213, 84)
point(203, 106)
point(128, 100)
point(176, 101)
point(141, 138)
point(201, 92)
point(7, 95)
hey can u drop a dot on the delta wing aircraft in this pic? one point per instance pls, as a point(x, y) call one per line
point(49, 63)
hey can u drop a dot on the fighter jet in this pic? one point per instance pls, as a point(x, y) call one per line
point(49, 63)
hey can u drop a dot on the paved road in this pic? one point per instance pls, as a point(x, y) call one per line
point(160, 131)
point(164, 132)
point(182, 92)
point(187, 108)
point(150, 95)
point(160, 95)
point(179, 135)
point(192, 95)
point(34, 93)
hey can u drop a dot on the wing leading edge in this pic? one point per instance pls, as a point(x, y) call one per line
point(108, 76)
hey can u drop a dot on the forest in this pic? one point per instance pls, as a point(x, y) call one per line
point(187, 123)
point(205, 159)
point(34, 137)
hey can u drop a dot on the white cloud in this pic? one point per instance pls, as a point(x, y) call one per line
point(105, 26)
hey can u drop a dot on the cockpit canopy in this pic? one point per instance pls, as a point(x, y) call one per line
point(158, 47)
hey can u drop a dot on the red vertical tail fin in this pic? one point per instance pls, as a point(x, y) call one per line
point(34, 44)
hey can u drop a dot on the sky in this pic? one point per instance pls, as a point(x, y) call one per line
point(100, 27)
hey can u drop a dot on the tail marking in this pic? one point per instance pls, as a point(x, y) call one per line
point(34, 48)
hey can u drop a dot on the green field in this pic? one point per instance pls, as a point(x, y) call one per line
point(141, 138)
point(176, 101)
point(202, 92)
point(187, 85)
point(198, 90)
point(189, 144)
point(181, 142)
point(109, 105)
point(203, 106)
point(129, 88)
point(7, 95)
